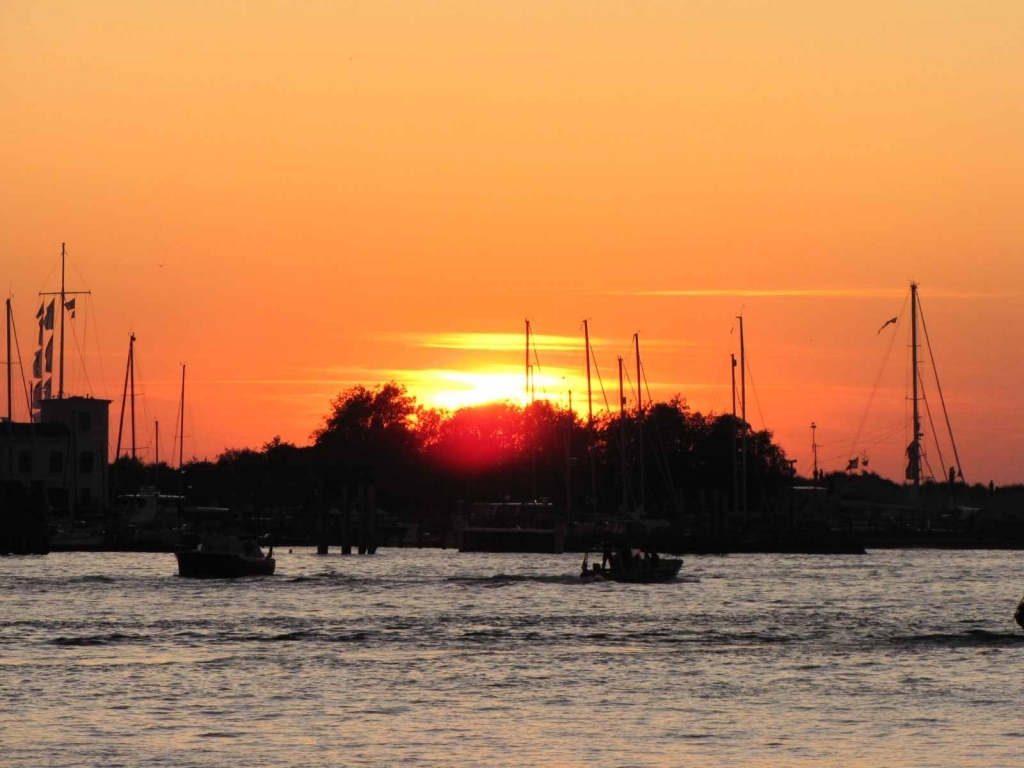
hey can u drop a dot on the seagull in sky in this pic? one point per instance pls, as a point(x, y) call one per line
point(886, 323)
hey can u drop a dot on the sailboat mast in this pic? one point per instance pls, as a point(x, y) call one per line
point(568, 463)
point(10, 415)
point(526, 394)
point(124, 396)
point(181, 435)
point(60, 386)
point(639, 417)
point(622, 435)
point(814, 450)
point(131, 367)
point(735, 470)
point(590, 394)
point(156, 464)
point(915, 444)
point(743, 414)
point(639, 395)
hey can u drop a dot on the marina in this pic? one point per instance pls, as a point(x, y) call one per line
point(462, 385)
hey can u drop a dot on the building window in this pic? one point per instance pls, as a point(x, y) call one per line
point(56, 462)
point(84, 421)
point(85, 463)
point(25, 462)
point(58, 498)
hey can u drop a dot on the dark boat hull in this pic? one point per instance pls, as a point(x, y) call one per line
point(215, 565)
point(662, 573)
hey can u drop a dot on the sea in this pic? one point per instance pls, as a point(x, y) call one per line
point(434, 658)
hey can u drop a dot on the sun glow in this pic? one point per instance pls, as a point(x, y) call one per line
point(452, 389)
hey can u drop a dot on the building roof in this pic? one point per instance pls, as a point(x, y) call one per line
point(73, 399)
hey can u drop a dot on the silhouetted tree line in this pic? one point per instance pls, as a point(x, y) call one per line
point(422, 461)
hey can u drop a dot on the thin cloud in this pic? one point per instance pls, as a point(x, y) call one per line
point(493, 342)
point(513, 342)
point(797, 293)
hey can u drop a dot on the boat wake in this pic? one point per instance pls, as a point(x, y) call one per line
point(972, 638)
point(505, 579)
point(107, 639)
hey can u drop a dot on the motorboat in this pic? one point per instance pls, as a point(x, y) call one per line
point(629, 567)
point(225, 557)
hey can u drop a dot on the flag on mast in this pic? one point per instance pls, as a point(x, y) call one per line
point(48, 319)
point(37, 365)
point(69, 305)
point(49, 355)
point(42, 309)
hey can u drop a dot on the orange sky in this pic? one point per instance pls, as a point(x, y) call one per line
point(331, 188)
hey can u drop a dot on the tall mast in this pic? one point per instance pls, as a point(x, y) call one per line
point(814, 450)
point(590, 421)
point(622, 436)
point(181, 435)
point(62, 294)
point(10, 414)
point(590, 394)
point(568, 463)
point(124, 394)
point(743, 414)
point(735, 470)
point(639, 417)
point(131, 367)
point(915, 444)
point(527, 393)
point(60, 387)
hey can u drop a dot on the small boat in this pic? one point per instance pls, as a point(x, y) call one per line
point(629, 567)
point(1018, 615)
point(225, 557)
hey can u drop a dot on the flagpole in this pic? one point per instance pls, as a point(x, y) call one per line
point(49, 322)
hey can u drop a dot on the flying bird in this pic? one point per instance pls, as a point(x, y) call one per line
point(886, 323)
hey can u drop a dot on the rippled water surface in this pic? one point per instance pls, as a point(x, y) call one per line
point(426, 657)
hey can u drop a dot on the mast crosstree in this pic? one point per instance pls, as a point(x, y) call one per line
point(46, 322)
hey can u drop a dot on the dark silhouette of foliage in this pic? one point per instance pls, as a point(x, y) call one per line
point(421, 461)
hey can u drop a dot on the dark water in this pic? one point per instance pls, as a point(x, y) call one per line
point(425, 657)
